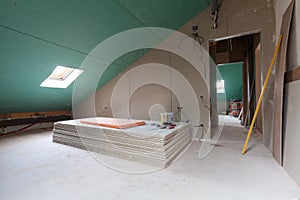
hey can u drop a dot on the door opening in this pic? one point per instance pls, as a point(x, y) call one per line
point(238, 60)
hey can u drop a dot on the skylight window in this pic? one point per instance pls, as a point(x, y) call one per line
point(61, 77)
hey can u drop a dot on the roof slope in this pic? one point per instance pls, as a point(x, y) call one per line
point(38, 35)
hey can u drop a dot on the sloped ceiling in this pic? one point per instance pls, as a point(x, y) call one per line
point(38, 35)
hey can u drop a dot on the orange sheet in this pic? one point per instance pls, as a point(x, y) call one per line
point(114, 123)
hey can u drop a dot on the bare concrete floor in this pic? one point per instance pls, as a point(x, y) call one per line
point(33, 167)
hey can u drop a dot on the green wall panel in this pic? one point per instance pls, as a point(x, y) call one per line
point(232, 75)
point(38, 35)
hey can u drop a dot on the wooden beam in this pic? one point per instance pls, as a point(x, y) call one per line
point(292, 75)
point(34, 114)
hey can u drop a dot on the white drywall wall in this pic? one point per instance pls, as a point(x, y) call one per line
point(235, 17)
point(291, 161)
point(291, 117)
point(293, 58)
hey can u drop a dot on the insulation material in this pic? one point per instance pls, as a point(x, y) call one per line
point(146, 144)
point(113, 122)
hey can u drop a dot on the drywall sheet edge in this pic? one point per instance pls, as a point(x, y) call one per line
point(291, 162)
point(279, 83)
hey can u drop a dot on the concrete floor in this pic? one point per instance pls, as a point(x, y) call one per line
point(33, 167)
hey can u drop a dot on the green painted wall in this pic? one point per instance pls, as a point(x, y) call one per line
point(232, 74)
point(38, 35)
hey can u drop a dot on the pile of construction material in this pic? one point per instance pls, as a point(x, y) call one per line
point(138, 141)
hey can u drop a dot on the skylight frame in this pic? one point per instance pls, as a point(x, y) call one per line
point(61, 77)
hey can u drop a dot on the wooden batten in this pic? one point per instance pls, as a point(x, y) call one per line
point(34, 114)
point(292, 75)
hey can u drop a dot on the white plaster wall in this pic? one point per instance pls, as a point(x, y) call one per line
point(222, 107)
point(149, 85)
point(293, 58)
point(291, 161)
point(235, 17)
point(294, 45)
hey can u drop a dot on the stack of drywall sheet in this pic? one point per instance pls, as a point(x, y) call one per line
point(146, 144)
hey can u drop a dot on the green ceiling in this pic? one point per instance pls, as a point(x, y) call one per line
point(38, 35)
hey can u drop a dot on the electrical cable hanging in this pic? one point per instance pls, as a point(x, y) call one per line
point(214, 12)
point(197, 39)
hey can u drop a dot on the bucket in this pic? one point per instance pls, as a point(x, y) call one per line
point(166, 118)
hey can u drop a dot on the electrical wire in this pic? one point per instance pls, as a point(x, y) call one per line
point(202, 134)
point(200, 56)
point(199, 39)
point(205, 104)
point(24, 128)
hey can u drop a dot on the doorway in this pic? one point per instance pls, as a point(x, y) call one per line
point(238, 59)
